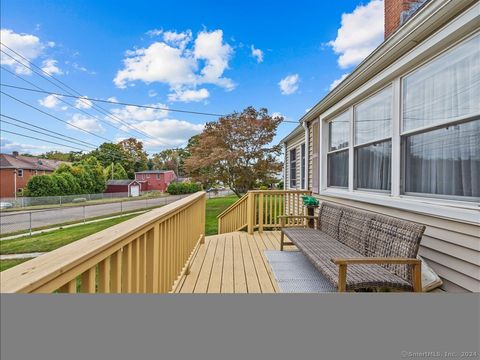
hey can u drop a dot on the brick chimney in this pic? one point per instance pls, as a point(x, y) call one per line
point(397, 12)
point(15, 153)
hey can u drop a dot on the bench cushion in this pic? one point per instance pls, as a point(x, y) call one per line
point(320, 248)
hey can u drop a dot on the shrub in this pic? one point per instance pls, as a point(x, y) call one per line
point(42, 185)
point(176, 188)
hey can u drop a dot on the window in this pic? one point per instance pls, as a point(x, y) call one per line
point(20, 172)
point(373, 142)
point(302, 167)
point(337, 157)
point(441, 126)
point(293, 168)
point(158, 176)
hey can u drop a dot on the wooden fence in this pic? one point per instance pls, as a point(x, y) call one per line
point(146, 254)
point(260, 209)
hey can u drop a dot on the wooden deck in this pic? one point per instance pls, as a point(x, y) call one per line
point(233, 263)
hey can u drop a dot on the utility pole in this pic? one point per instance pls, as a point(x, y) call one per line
point(112, 170)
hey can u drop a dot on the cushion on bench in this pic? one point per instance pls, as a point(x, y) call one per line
point(320, 248)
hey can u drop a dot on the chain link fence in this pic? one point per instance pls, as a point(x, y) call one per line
point(27, 221)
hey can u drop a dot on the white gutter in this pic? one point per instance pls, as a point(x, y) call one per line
point(307, 152)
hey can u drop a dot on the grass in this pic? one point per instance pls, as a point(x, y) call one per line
point(52, 240)
point(57, 238)
point(7, 264)
point(214, 207)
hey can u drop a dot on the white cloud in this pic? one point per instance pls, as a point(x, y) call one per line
point(50, 101)
point(179, 61)
point(289, 84)
point(29, 46)
point(83, 103)
point(257, 54)
point(165, 131)
point(176, 39)
point(361, 31)
point(336, 82)
point(189, 95)
point(7, 146)
point(82, 69)
point(50, 67)
point(85, 123)
point(134, 114)
point(154, 32)
point(112, 99)
point(209, 46)
point(152, 93)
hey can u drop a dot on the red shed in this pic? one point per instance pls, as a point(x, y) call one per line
point(132, 187)
point(155, 179)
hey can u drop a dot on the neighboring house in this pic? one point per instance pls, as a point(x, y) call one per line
point(401, 134)
point(16, 170)
point(132, 187)
point(155, 179)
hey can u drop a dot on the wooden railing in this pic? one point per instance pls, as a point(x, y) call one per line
point(147, 254)
point(260, 209)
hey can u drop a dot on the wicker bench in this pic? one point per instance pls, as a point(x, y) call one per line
point(378, 251)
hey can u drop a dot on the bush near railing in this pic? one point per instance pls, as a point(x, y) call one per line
point(178, 188)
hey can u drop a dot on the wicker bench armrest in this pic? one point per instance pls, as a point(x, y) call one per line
point(284, 217)
point(344, 262)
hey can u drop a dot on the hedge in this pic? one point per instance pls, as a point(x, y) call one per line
point(177, 188)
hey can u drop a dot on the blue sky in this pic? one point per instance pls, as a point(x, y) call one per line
point(213, 57)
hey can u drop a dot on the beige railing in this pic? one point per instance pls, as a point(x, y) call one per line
point(260, 209)
point(147, 254)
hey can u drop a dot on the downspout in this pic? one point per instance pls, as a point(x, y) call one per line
point(307, 152)
point(284, 166)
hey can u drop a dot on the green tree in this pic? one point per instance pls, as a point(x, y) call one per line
point(237, 151)
point(171, 159)
point(135, 156)
point(109, 153)
point(118, 172)
point(42, 185)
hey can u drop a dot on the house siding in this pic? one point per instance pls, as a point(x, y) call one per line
point(294, 144)
point(451, 243)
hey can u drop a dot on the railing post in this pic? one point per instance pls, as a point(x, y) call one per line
point(250, 212)
point(260, 212)
point(153, 248)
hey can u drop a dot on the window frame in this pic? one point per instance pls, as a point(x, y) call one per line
point(292, 180)
point(346, 148)
point(356, 146)
point(397, 138)
point(20, 173)
point(303, 159)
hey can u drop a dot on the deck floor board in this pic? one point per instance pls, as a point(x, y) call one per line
point(233, 263)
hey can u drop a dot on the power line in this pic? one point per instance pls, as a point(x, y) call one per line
point(84, 143)
point(119, 102)
point(81, 98)
point(35, 138)
point(37, 131)
point(65, 102)
point(54, 117)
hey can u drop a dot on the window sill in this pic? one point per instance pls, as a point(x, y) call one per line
point(454, 210)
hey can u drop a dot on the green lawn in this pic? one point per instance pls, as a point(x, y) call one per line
point(54, 239)
point(214, 208)
point(7, 264)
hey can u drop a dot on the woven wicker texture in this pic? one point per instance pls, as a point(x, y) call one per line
point(390, 237)
point(320, 248)
point(352, 229)
point(329, 218)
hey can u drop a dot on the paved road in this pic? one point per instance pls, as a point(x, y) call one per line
point(18, 221)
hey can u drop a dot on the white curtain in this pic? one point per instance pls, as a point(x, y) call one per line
point(373, 166)
point(444, 89)
point(444, 161)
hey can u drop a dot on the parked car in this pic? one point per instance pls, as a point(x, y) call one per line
point(5, 205)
